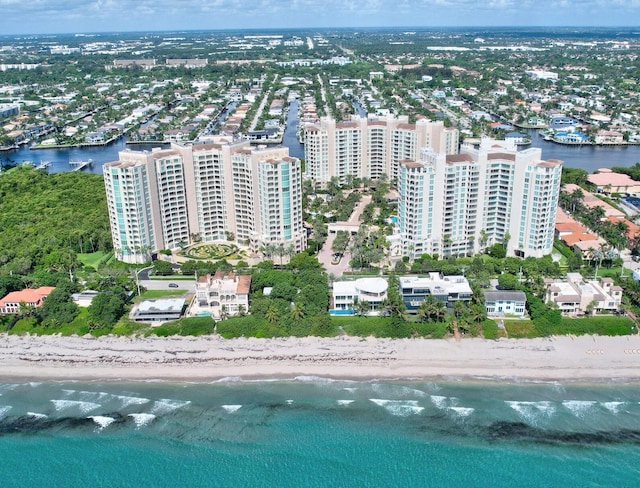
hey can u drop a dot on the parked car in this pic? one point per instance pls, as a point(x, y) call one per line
point(173, 285)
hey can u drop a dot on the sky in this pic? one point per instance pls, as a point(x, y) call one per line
point(84, 16)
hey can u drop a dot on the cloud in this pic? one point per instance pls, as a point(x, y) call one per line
point(91, 15)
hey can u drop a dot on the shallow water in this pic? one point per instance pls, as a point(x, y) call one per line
point(316, 432)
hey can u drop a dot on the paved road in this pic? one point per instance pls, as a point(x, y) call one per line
point(186, 285)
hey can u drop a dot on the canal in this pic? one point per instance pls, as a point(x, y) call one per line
point(589, 158)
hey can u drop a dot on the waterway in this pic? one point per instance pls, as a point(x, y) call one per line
point(290, 136)
point(586, 157)
point(589, 158)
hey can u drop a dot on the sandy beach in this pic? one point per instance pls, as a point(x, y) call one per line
point(211, 357)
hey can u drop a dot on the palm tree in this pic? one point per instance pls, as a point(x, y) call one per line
point(272, 314)
point(361, 307)
point(297, 311)
point(223, 312)
point(477, 313)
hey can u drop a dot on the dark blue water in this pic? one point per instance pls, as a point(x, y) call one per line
point(589, 158)
point(290, 137)
point(318, 432)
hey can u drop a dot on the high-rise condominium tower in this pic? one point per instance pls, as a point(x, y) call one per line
point(458, 204)
point(203, 193)
point(370, 147)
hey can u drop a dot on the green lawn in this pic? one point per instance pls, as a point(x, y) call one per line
point(153, 294)
point(94, 259)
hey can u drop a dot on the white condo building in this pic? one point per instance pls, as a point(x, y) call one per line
point(370, 147)
point(166, 198)
point(458, 204)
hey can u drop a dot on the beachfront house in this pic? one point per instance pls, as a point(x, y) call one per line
point(501, 303)
point(159, 310)
point(34, 298)
point(577, 296)
point(346, 294)
point(448, 289)
point(221, 294)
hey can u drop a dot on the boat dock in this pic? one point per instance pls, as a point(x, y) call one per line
point(44, 165)
point(80, 165)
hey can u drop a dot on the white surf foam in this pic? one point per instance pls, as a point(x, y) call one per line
point(102, 421)
point(166, 405)
point(230, 379)
point(129, 400)
point(613, 407)
point(439, 401)
point(68, 392)
point(344, 402)
point(462, 411)
point(579, 408)
point(142, 419)
point(93, 395)
point(532, 412)
point(399, 408)
point(350, 390)
point(4, 409)
point(289, 402)
point(84, 407)
point(232, 408)
point(314, 379)
point(37, 415)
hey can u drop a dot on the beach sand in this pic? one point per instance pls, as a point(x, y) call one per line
point(211, 357)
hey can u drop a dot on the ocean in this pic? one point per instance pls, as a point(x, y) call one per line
point(315, 432)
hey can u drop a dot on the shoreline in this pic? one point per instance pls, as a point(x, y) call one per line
point(210, 358)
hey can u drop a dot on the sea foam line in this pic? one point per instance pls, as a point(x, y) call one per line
point(166, 405)
point(231, 408)
point(613, 407)
point(37, 415)
point(101, 421)
point(4, 409)
point(399, 408)
point(130, 400)
point(142, 419)
point(85, 407)
point(578, 407)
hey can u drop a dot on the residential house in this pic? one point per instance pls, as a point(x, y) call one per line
point(371, 290)
point(500, 303)
point(160, 310)
point(29, 297)
point(448, 289)
point(222, 293)
point(577, 296)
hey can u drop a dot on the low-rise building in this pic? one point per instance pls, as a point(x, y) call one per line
point(500, 303)
point(222, 294)
point(160, 310)
point(371, 290)
point(448, 289)
point(577, 296)
point(12, 302)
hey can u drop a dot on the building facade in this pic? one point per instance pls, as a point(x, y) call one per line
point(373, 291)
point(447, 289)
point(370, 147)
point(29, 297)
point(222, 294)
point(500, 303)
point(577, 296)
point(458, 204)
point(225, 190)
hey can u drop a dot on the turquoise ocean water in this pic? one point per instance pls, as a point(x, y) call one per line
point(318, 432)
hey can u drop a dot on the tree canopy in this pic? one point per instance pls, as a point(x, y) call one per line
point(46, 219)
